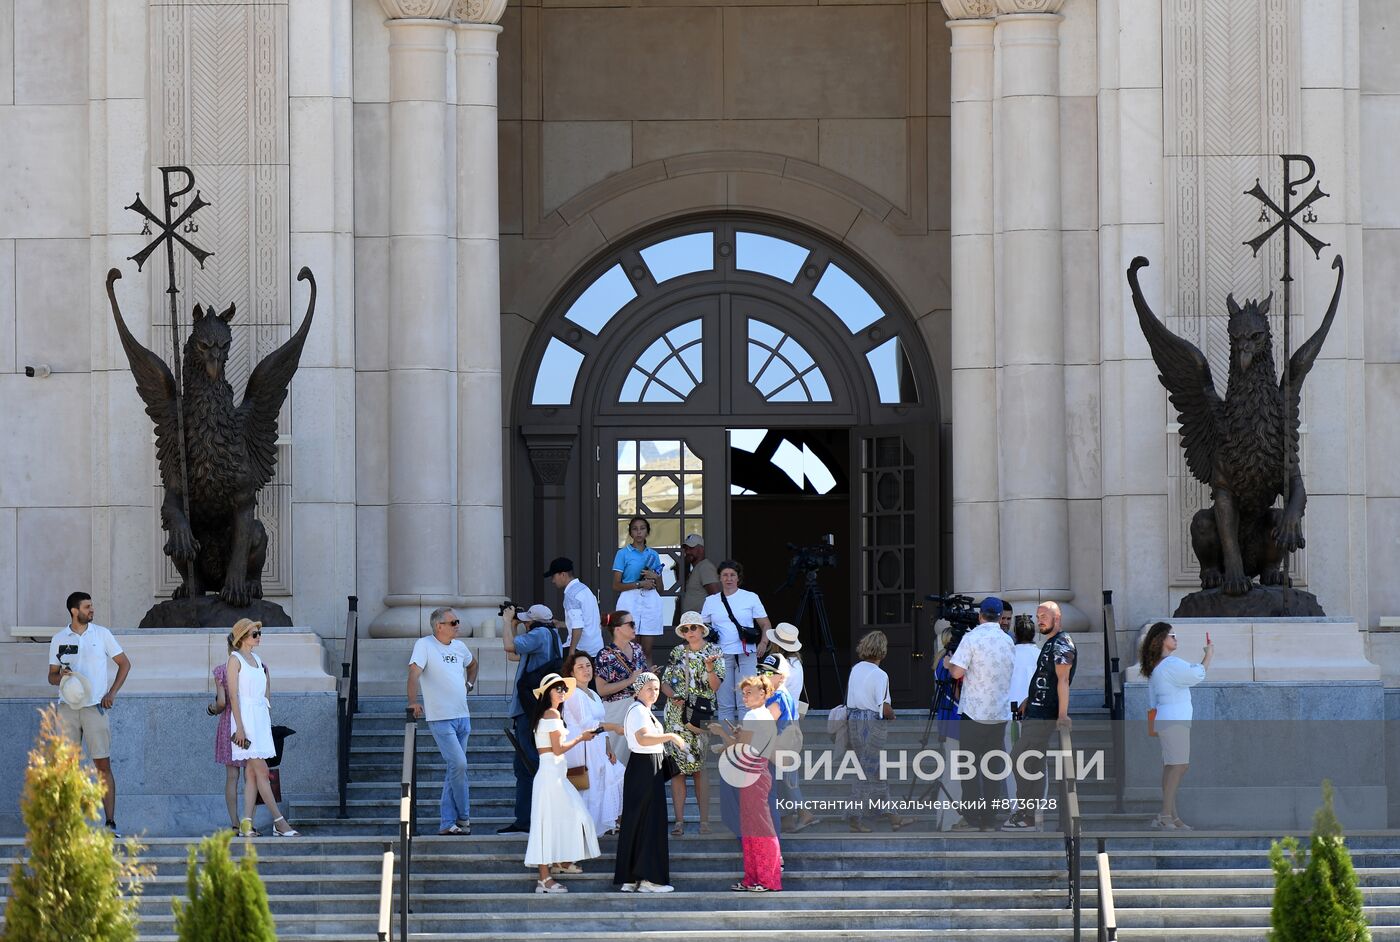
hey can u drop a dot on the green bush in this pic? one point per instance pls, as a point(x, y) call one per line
point(228, 902)
point(69, 887)
point(1316, 899)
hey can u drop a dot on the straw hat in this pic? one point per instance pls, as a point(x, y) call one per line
point(550, 680)
point(241, 629)
point(784, 636)
point(75, 690)
point(688, 618)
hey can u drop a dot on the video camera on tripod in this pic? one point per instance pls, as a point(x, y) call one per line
point(959, 611)
point(811, 558)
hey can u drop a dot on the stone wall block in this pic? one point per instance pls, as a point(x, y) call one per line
point(1383, 553)
point(371, 304)
point(1030, 323)
point(323, 417)
point(1382, 444)
point(371, 558)
point(1380, 186)
point(977, 561)
point(1079, 167)
point(1082, 432)
point(1028, 526)
point(38, 473)
point(1380, 247)
point(7, 306)
point(9, 563)
point(371, 52)
point(314, 67)
point(1080, 290)
point(415, 531)
point(45, 150)
point(372, 437)
point(974, 393)
point(50, 52)
point(422, 412)
point(1380, 67)
point(418, 341)
point(314, 182)
point(323, 558)
point(55, 556)
point(578, 154)
point(873, 152)
point(371, 169)
point(1039, 392)
point(642, 63)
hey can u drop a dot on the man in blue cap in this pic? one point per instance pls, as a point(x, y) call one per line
point(983, 662)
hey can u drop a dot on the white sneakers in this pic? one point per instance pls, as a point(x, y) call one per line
point(646, 886)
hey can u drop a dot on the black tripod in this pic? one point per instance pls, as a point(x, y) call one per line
point(812, 596)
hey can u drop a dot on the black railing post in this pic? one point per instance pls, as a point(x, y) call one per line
point(1109, 668)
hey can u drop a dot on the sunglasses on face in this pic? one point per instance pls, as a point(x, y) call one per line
point(257, 634)
point(627, 624)
point(454, 622)
point(687, 629)
point(1173, 637)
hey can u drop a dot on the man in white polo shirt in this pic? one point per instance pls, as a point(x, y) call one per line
point(81, 651)
point(446, 671)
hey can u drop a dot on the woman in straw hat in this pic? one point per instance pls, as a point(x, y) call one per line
point(248, 687)
point(561, 829)
point(689, 683)
point(643, 856)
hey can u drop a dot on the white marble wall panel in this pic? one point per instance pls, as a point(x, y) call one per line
point(1330, 554)
point(9, 569)
point(1078, 57)
point(7, 52)
point(371, 51)
point(324, 561)
point(7, 306)
point(371, 169)
point(44, 151)
point(312, 135)
point(51, 295)
point(578, 154)
point(330, 256)
point(371, 561)
point(1086, 555)
point(1082, 432)
point(54, 551)
point(122, 534)
point(1383, 451)
point(371, 303)
point(1383, 552)
point(127, 471)
point(48, 416)
point(50, 52)
point(323, 412)
point(123, 57)
point(1381, 252)
point(372, 436)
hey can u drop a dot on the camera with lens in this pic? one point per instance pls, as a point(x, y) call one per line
point(500, 612)
point(959, 611)
point(813, 557)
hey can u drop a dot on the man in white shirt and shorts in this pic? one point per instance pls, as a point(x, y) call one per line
point(446, 671)
point(78, 668)
point(983, 662)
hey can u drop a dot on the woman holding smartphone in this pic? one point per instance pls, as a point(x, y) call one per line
point(636, 577)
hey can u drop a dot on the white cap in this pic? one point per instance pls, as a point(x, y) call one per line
point(540, 613)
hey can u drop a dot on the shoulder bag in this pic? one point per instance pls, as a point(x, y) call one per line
point(697, 711)
point(748, 634)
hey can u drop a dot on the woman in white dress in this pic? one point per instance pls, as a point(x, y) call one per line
point(584, 710)
point(1169, 682)
point(561, 829)
point(248, 687)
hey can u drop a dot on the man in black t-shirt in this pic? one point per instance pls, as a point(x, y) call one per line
point(1046, 709)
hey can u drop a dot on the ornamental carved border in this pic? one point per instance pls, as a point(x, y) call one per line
point(1230, 106)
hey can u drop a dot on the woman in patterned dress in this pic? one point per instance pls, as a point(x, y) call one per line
point(696, 672)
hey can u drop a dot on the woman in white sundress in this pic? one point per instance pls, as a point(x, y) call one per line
point(561, 829)
point(585, 710)
point(252, 725)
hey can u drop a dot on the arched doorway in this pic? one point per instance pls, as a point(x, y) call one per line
point(749, 381)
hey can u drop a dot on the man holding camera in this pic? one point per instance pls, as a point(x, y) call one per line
point(1045, 710)
point(983, 662)
point(78, 668)
point(536, 648)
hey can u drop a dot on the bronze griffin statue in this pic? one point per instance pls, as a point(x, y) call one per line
point(1240, 447)
point(231, 452)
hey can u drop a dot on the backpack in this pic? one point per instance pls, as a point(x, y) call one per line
point(526, 683)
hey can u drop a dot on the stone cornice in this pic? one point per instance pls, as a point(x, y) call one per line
point(987, 9)
point(416, 9)
point(486, 12)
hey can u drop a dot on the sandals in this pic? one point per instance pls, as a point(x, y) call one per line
point(245, 828)
point(741, 887)
point(566, 868)
point(801, 826)
point(898, 824)
point(678, 830)
point(550, 886)
point(1162, 823)
point(290, 832)
point(858, 826)
point(704, 827)
point(1182, 825)
point(454, 830)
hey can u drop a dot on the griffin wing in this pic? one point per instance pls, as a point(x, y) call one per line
point(1186, 375)
point(1300, 364)
point(155, 384)
point(267, 390)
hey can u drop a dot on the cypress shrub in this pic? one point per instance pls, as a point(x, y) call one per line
point(70, 886)
point(1316, 898)
point(227, 901)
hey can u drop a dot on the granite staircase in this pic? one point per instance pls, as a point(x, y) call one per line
point(918, 882)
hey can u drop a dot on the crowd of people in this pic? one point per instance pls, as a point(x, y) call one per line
point(592, 758)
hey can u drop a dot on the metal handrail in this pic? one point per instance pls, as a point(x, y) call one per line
point(1108, 914)
point(386, 895)
point(408, 818)
point(1113, 700)
point(347, 698)
point(1071, 825)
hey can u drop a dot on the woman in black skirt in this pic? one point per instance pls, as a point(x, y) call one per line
point(643, 856)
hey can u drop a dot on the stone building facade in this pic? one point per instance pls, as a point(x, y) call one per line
point(477, 186)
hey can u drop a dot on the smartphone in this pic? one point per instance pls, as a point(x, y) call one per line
point(1207, 637)
point(599, 731)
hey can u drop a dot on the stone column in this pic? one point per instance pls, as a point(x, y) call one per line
point(480, 522)
point(976, 526)
point(1030, 320)
point(422, 357)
